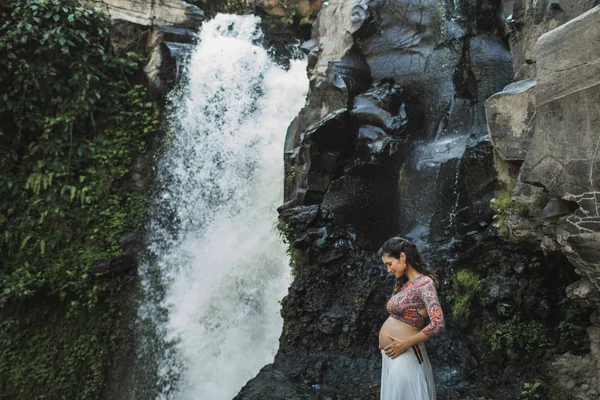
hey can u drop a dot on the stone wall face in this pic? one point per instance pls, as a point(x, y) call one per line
point(166, 25)
point(556, 142)
point(549, 124)
point(174, 13)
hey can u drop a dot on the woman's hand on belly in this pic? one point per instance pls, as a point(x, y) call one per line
point(393, 327)
point(396, 347)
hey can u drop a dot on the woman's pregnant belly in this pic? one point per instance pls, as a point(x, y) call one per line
point(397, 329)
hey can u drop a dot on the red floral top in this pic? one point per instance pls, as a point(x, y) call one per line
point(414, 296)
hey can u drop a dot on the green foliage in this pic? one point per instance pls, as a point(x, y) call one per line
point(572, 329)
point(290, 10)
point(504, 206)
point(531, 391)
point(518, 340)
point(71, 123)
point(50, 352)
point(466, 286)
point(503, 309)
point(519, 207)
point(288, 234)
point(501, 204)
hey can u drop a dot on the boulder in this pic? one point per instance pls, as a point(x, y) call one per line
point(579, 374)
point(332, 35)
point(176, 13)
point(510, 116)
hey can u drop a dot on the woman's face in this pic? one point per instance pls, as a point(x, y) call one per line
point(394, 265)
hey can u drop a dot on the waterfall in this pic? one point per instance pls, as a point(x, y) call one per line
point(216, 267)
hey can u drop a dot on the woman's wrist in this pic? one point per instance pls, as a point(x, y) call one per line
point(417, 339)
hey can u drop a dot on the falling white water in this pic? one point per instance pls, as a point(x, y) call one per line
point(219, 268)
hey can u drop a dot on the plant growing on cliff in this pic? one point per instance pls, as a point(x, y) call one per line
point(71, 123)
point(466, 286)
point(504, 205)
point(500, 204)
point(531, 390)
point(572, 329)
point(517, 339)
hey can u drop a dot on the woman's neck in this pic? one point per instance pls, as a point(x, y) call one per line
point(412, 273)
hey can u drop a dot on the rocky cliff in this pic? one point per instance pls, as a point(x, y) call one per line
point(394, 139)
point(545, 127)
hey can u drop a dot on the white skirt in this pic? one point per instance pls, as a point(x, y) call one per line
point(404, 378)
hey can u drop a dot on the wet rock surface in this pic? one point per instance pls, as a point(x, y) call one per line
point(393, 139)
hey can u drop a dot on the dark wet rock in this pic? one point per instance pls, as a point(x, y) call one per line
point(466, 186)
point(403, 46)
point(348, 196)
point(119, 266)
point(369, 133)
point(273, 384)
point(579, 373)
point(490, 63)
point(320, 154)
point(558, 207)
point(351, 73)
point(476, 185)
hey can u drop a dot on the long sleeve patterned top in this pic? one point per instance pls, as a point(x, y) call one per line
point(414, 296)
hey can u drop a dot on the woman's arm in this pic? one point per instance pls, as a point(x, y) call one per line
point(428, 294)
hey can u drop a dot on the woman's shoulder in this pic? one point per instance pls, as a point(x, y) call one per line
point(424, 280)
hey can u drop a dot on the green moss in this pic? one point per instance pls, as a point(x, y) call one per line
point(291, 176)
point(466, 286)
point(521, 208)
point(288, 235)
point(504, 205)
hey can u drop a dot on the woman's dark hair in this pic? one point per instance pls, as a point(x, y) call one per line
point(396, 245)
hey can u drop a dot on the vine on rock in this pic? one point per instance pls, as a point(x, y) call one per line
point(71, 123)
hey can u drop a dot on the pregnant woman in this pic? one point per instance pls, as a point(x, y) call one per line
point(415, 317)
